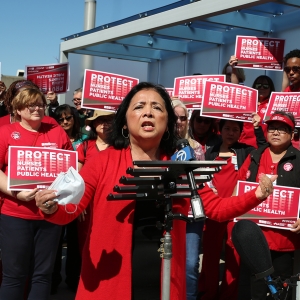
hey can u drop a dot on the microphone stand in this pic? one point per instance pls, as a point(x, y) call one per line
point(163, 181)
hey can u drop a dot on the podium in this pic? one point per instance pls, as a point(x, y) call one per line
point(163, 181)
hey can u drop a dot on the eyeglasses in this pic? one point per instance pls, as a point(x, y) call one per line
point(295, 69)
point(33, 107)
point(280, 130)
point(68, 118)
point(201, 120)
point(181, 118)
point(261, 86)
point(76, 99)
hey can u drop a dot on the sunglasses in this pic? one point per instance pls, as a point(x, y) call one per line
point(295, 69)
point(261, 86)
point(181, 118)
point(76, 99)
point(201, 120)
point(68, 118)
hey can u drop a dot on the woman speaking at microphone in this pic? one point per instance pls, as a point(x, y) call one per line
point(143, 129)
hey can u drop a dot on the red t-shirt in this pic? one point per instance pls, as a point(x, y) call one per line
point(248, 135)
point(288, 90)
point(220, 180)
point(50, 135)
point(278, 239)
point(86, 154)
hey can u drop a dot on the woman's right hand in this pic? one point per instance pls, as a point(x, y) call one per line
point(256, 120)
point(265, 187)
point(26, 195)
point(45, 201)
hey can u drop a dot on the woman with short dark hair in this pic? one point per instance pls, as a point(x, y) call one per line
point(143, 129)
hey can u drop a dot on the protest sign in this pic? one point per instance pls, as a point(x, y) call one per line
point(229, 100)
point(280, 210)
point(189, 89)
point(247, 117)
point(259, 52)
point(106, 91)
point(170, 91)
point(53, 77)
point(288, 102)
point(37, 167)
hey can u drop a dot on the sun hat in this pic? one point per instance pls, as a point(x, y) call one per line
point(98, 113)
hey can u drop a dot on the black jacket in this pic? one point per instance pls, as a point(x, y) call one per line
point(285, 178)
point(241, 151)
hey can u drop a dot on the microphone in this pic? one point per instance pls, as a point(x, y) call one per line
point(186, 153)
point(251, 245)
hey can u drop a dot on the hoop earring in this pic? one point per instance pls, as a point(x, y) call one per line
point(168, 135)
point(126, 137)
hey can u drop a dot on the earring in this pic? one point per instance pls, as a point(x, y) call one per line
point(168, 135)
point(126, 137)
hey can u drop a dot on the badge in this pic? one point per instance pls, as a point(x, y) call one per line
point(288, 167)
point(234, 160)
point(16, 135)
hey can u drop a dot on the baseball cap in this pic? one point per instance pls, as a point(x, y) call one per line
point(281, 118)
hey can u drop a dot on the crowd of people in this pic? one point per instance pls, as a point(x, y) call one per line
point(99, 233)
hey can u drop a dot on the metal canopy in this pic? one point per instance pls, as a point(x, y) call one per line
point(186, 26)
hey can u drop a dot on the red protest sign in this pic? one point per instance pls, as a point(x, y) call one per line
point(32, 167)
point(53, 77)
point(170, 91)
point(288, 102)
point(223, 98)
point(259, 53)
point(106, 91)
point(280, 210)
point(189, 89)
point(230, 116)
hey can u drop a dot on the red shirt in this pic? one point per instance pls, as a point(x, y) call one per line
point(288, 90)
point(49, 134)
point(84, 154)
point(220, 180)
point(248, 135)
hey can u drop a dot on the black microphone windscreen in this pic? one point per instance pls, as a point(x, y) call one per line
point(182, 143)
point(252, 246)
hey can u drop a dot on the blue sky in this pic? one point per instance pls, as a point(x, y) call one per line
point(31, 30)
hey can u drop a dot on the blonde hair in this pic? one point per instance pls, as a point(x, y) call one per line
point(24, 98)
point(176, 102)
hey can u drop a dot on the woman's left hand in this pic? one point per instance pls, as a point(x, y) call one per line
point(265, 188)
point(296, 226)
